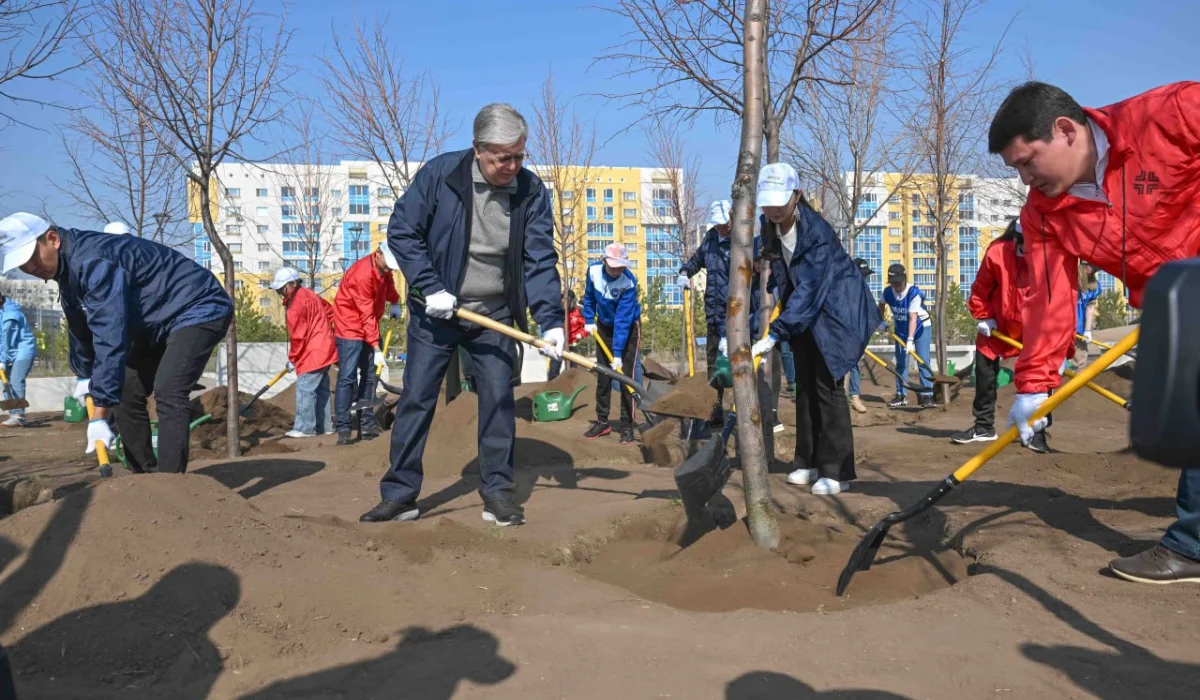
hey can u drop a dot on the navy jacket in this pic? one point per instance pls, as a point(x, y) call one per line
point(824, 292)
point(430, 230)
point(713, 255)
point(120, 291)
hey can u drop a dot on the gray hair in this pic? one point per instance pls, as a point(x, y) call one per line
point(499, 124)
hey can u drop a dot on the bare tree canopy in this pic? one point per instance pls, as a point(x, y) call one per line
point(32, 37)
point(386, 114)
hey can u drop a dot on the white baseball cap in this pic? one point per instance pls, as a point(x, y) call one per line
point(387, 256)
point(718, 212)
point(776, 184)
point(18, 239)
point(615, 255)
point(117, 227)
point(284, 275)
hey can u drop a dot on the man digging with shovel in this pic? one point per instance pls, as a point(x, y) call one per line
point(475, 228)
point(311, 351)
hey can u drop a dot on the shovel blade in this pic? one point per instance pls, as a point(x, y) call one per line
point(702, 476)
point(13, 404)
point(863, 555)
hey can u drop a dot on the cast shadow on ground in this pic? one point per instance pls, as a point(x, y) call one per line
point(922, 431)
point(256, 476)
point(424, 664)
point(1128, 671)
point(536, 460)
point(155, 645)
point(768, 685)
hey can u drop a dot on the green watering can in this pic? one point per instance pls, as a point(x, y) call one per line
point(553, 405)
point(723, 375)
point(73, 410)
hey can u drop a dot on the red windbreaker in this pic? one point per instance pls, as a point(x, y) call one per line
point(1152, 216)
point(575, 325)
point(1000, 284)
point(361, 299)
point(310, 332)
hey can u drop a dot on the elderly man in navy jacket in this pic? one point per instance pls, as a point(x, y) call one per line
point(142, 318)
point(474, 230)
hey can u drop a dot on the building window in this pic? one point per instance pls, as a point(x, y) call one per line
point(568, 194)
point(569, 229)
point(383, 211)
point(629, 196)
point(335, 212)
point(608, 195)
point(924, 264)
point(608, 213)
point(233, 192)
point(237, 267)
point(893, 247)
point(869, 246)
point(923, 232)
point(381, 228)
point(633, 264)
point(596, 247)
point(630, 213)
point(233, 229)
point(235, 247)
point(233, 211)
point(600, 230)
point(237, 283)
point(262, 211)
point(631, 247)
point(923, 248)
point(264, 248)
point(260, 192)
point(1008, 203)
point(894, 232)
point(916, 216)
point(288, 211)
point(893, 216)
point(360, 200)
point(994, 202)
point(335, 194)
point(591, 213)
point(264, 302)
point(287, 192)
point(264, 266)
point(631, 230)
point(591, 195)
point(263, 284)
point(915, 200)
point(868, 204)
point(385, 193)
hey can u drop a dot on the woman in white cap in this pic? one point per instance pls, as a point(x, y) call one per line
point(828, 317)
point(611, 308)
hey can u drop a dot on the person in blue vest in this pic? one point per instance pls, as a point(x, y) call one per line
point(828, 317)
point(914, 327)
point(1085, 311)
point(611, 309)
point(17, 352)
point(142, 319)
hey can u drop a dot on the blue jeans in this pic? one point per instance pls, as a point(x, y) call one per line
point(431, 344)
point(356, 381)
point(312, 403)
point(16, 378)
point(789, 363)
point(855, 381)
point(1183, 536)
point(922, 347)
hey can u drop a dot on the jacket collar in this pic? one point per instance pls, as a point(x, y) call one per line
point(461, 179)
point(1119, 151)
point(60, 275)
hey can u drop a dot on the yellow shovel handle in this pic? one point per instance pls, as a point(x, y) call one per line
point(1094, 387)
point(609, 355)
point(101, 450)
point(914, 354)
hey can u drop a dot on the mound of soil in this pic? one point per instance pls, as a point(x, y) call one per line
point(690, 397)
point(264, 423)
point(724, 570)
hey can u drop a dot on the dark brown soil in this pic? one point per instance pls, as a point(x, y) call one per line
point(689, 397)
point(261, 426)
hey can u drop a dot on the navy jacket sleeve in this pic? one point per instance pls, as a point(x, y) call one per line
point(696, 262)
point(408, 232)
point(106, 301)
point(79, 356)
point(812, 260)
point(543, 288)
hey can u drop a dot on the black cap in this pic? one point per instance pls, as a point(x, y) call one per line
point(864, 267)
point(896, 273)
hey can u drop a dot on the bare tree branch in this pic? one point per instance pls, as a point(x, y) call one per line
point(33, 34)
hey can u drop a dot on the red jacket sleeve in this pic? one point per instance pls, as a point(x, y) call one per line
point(391, 296)
point(1048, 312)
point(980, 302)
point(364, 303)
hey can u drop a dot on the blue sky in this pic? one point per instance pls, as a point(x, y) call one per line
point(483, 51)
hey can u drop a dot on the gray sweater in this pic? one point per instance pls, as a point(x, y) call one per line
point(483, 284)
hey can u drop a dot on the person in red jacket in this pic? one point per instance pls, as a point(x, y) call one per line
point(1119, 186)
point(311, 352)
point(575, 332)
point(362, 297)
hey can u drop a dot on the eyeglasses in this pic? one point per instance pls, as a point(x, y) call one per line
point(508, 159)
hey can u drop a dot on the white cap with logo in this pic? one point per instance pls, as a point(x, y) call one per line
point(718, 212)
point(776, 184)
point(284, 275)
point(18, 239)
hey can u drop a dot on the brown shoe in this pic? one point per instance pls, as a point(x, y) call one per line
point(857, 404)
point(1157, 565)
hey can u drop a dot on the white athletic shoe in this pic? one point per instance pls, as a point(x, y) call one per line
point(802, 477)
point(829, 487)
point(13, 421)
point(298, 434)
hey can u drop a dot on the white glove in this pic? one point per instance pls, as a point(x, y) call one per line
point(83, 387)
point(394, 312)
point(558, 343)
point(763, 346)
point(1088, 335)
point(911, 347)
point(440, 305)
point(98, 430)
point(684, 281)
point(985, 327)
point(380, 360)
point(291, 367)
point(1022, 410)
point(619, 364)
point(723, 346)
point(590, 328)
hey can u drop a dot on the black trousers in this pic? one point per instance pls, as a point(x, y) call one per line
point(169, 371)
point(628, 356)
point(824, 438)
point(987, 374)
point(713, 339)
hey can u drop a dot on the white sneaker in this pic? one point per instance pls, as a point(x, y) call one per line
point(802, 477)
point(14, 422)
point(298, 434)
point(829, 487)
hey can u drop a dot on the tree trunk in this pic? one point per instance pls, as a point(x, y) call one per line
point(759, 513)
point(232, 426)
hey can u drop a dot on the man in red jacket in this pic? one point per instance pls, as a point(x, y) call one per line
point(366, 289)
point(311, 352)
point(1119, 186)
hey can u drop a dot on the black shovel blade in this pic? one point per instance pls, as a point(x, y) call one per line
point(702, 476)
point(13, 404)
point(864, 554)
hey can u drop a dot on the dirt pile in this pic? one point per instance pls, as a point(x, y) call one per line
point(690, 397)
point(568, 382)
point(262, 425)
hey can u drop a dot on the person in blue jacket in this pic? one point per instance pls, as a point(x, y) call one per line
point(1085, 311)
point(828, 317)
point(17, 352)
point(142, 319)
point(612, 310)
point(914, 327)
point(474, 230)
